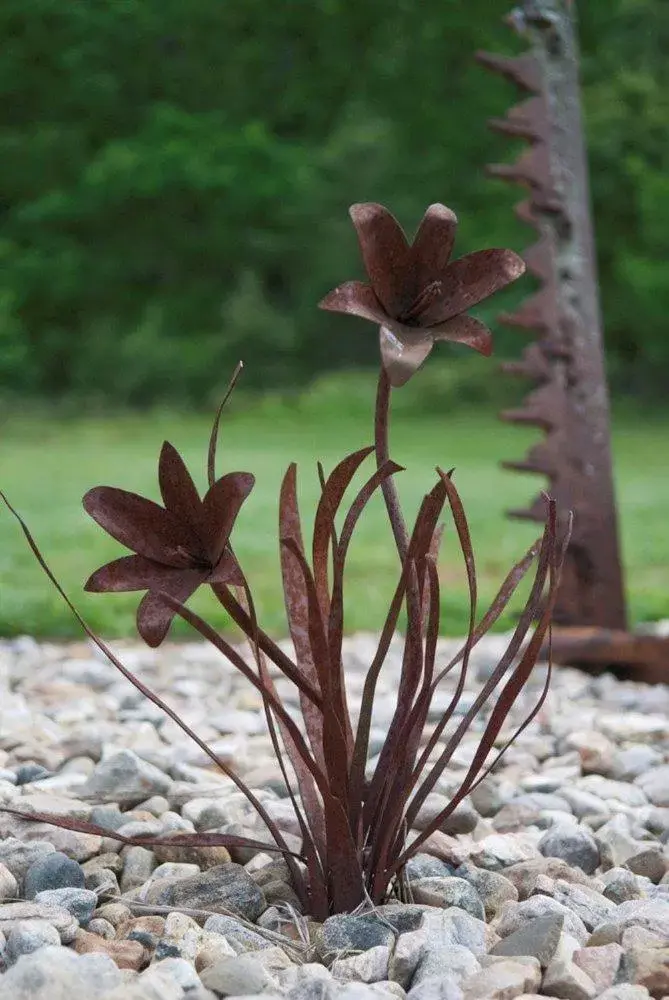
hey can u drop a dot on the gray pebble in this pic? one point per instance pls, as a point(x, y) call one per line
point(26, 773)
point(28, 936)
point(126, 779)
point(53, 871)
point(80, 903)
point(572, 844)
point(447, 892)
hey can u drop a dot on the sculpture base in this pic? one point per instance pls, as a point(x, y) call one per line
point(630, 656)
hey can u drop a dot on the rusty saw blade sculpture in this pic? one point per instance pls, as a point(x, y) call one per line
point(565, 360)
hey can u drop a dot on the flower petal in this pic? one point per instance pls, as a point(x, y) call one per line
point(177, 488)
point(221, 506)
point(153, 615)
point(137, 523)
point(433, 244)
point(400, 357)
point(472, 278)
point(385, 253)
point(129, 573)
point(227, 570)
point(465, 330)
point(357, 299)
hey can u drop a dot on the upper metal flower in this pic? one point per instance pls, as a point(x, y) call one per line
point(178, 547)
point(415, 294)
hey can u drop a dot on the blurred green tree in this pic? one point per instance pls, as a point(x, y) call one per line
point(175, 179)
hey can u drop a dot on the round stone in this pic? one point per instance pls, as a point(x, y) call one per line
point(54, 871)
point(572, 844)
point(29, 936)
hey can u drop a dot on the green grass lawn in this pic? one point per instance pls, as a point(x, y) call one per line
point(47, 464)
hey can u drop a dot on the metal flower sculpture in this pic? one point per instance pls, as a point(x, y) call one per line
point(416, 293)
point(177, 547)
point(354, 808)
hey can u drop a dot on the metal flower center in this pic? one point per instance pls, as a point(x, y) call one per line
point(412, 316)
point(196, 561)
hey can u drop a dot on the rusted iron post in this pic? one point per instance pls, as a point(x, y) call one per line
point(570, 401)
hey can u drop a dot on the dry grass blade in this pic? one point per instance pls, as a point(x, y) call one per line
point(213, 439)
point(173, 840)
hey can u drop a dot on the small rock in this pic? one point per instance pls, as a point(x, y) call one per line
point(628, 764)
point(592, 907)
point(526, 876)
point(204, 857)
point(227, 886)
point(103, 882)
point(126, 779)
point(115, 913)
point(515, 915)
point(18, 856)
point(490, 795)
point(585, 804)
point(503, 980)
point(654, 783)
point(182, 937)
point(175, 970)
point(101, 927)
point(500, 850)
point(494, 889)
point(157, 805)
point(572, 844)
point(53, 871)
point(405, 957)
point(369, 966)
point(621, 885)
point(241, 938)
point(650, 864)
point(639, 937)
point(345, 933)
point(126, 954)
point(138, 863)
point(426, 866)
point(452, 964)
point(447, 892)
point(9, 887)
point(27, 773)
point(564, 979)
point(623, 991)
point(463, 819)
point(80, 903)
point(148, 930)
point(12, 914)
point(612, 792)
point(114, 862)
point(537, 938)
point(600, 964)
point(28, 936)
point(652, 914)
point(596, 751)
point(240, 975)
point(55, 973)
point(648, 967)
point(616, 842)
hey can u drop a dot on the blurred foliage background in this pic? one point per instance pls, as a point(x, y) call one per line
point(175, 179)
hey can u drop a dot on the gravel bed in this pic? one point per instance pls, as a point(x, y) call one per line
point(551, 879)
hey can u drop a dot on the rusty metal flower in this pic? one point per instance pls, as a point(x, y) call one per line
point(416, 294)
point(177, 547)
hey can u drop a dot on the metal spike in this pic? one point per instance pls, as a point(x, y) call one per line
point(524, 70)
